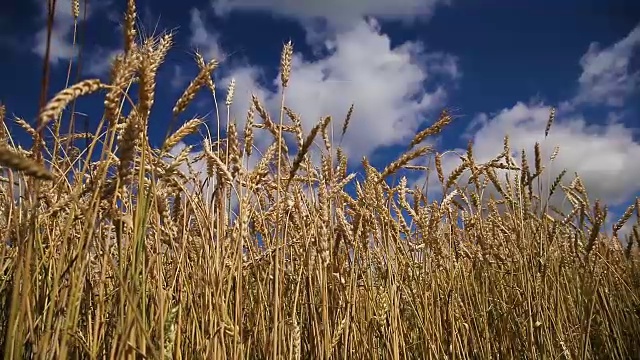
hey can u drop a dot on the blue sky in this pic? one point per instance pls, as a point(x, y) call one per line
point(500, 65)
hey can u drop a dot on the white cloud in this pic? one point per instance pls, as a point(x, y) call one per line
point(179, 78)
point(61, 47)
point(206, 42)
point(607, 76)
point(99, 61)
point(336, 12)
point(386, 85)
point(605, 157)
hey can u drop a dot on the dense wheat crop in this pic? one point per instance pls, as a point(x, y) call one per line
point(115, 249)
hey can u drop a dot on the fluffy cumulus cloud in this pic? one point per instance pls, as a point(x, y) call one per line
point(604, 156)
point(206, 42)
point(61, 47)
point(386, 84)
point(334, 12)
point(100, 60)
point(359, 66)
point(609, 76)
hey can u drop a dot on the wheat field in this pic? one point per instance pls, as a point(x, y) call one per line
point(115, 249)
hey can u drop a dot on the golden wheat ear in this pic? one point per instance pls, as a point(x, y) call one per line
point(15, 161)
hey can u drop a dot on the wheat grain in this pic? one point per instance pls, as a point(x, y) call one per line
point(122, 73)
point(455, 174)
point(54, 107)
point(403, 160)
point(552, 117)
point(537, 159)
point(195, 85)
point(15, 161)
point(285, 63)
point(347, 121)
point(219, 164)
point(306, 145)
point(186, 129)
point(623, 219)
point(297, 124)
point(434, 129)
point(129, 28)
point(75, 9)
point(3, 126)
point(233, 149)
point(248, 131)
point(127, 144)
point(230, 91)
